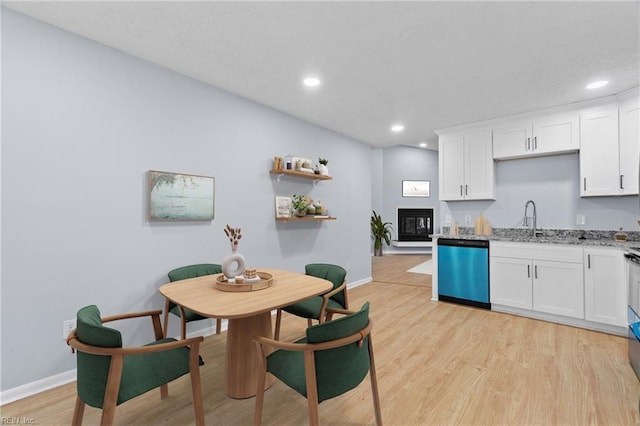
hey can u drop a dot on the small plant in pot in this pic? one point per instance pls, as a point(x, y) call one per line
point(324, 170)
point(379, 231)
point(300, 204)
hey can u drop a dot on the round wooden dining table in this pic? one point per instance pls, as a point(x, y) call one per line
point(248, 314)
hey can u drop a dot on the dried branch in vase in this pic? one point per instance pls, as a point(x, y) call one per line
point(234, 235)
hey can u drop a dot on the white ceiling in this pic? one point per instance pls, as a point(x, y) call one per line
point(429, 65)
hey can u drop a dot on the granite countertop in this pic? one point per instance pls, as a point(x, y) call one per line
point(552, 236)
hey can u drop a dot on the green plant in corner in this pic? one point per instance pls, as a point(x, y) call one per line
point(379, 231)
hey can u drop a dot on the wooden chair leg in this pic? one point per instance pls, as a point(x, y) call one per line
point(165, 326)
point(262, 377)
point(196, 385)
point(312, 387)
point(78, 412)
point(309, 322)
point(218, 325)
point(276, 334)
point(374, 385)
point(111, 391)
point(164, 391)
point(183, 323)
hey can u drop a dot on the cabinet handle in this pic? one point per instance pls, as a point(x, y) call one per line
point(584, 183)
point(461, 194)
point(535, 143)
point(528, 271)
point(535, 272)
point(528, 145)
point(621, 185)
point(588, 261)
point(466, 190)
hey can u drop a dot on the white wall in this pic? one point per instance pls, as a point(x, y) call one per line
point(553, 184)
point(82, 124)
point(404, 163)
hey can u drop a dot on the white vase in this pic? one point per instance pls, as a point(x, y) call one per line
point(234, 265)
point(324, 170)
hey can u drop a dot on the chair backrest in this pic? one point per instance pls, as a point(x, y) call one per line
point(93, 369)
point(193, 271)
point(343, 368)
point(334, 273)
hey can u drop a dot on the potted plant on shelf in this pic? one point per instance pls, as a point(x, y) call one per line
point(300, 205)
point(324, 170)
point(379, 231)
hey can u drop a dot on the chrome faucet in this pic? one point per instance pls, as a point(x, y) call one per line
point(534, 231)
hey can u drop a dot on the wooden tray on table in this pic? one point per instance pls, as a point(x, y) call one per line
point(265, 281)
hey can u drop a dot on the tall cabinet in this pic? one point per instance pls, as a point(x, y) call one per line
point(629, 116)
point(610, 148)
point(466, 166)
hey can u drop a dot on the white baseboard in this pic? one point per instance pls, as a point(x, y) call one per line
point(33, 388)
point(29, 389)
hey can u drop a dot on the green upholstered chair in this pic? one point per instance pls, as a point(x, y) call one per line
point(185, 315)
point(333, 358)
point(108, 374)
point(315, 308)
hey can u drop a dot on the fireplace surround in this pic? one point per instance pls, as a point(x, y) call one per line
point(414, 224)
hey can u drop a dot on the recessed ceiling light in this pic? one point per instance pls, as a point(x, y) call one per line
point(311, 81)
point(423, 144)
point(597, 84)
point(397, 128)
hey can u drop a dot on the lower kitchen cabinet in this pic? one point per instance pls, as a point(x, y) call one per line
point(511, 283)
point(537, 277)
point(558, 288)
point(581, 286)
point(605, 289)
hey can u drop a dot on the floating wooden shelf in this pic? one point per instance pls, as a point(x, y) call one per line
point(295, 173)
point(305, 218)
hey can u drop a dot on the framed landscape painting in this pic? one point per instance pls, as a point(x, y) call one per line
point(416, 188)
point(175, 196)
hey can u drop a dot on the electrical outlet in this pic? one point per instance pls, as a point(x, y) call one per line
point(467, 218)
point(581, 219)
point(67, 326)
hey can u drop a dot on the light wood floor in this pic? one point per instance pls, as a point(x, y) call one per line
point(438, 364)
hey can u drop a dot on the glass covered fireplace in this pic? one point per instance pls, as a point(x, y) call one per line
point(414, 224)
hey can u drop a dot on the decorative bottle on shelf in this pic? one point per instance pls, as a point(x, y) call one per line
point(288, 162)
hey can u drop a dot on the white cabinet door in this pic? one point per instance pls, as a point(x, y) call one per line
point(558, 288)
point(605, 286)
point(544, 135)
point(556, 133)
point(479, 168)
point(629, 145)
point(511, 282)
point(466, 167)
point(599, 162)
point(451, 163)
point(512, 140)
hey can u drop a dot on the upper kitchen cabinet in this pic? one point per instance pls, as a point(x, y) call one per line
point(536, 136)
point(599, 153)
point(629, 112)
point(466, 166)
point(610, 149)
